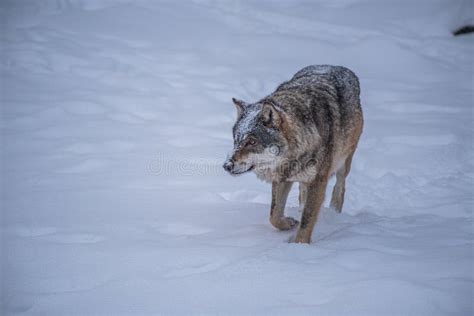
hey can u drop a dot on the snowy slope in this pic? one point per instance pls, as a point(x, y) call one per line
point(116, 118)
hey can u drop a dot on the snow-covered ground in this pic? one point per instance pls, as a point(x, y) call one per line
point(116, 119)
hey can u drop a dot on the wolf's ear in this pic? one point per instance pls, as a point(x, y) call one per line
point(239, 105)
point(271, 117)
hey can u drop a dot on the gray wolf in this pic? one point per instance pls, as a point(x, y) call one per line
point(305, 131)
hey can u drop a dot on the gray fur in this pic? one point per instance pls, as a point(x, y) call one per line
point(315, 121)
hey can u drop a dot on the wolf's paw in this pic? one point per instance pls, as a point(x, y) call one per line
point(284, 223)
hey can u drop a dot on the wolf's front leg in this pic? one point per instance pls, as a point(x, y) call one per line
point(280, 192)
point(314, 200)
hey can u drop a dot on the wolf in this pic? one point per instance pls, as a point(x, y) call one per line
point(305, 131)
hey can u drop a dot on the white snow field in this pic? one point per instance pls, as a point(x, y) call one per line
point(117, 117)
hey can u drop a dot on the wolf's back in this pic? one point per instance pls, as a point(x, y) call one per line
point(344, 81)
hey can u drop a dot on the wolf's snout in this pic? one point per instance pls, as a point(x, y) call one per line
point(228, 165)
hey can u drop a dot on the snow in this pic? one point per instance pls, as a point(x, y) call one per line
point(116, 119)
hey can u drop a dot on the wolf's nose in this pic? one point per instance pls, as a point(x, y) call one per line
point(228, 165)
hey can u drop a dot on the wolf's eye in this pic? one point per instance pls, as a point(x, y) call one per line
point(251, 141)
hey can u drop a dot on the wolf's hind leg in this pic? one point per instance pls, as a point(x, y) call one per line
point(339, 190)
point(302, 196)
point(280, 191)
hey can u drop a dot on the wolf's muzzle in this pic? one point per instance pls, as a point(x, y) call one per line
point(236, 168)
point(228, 165)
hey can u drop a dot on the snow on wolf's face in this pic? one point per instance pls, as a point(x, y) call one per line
point(258, 142)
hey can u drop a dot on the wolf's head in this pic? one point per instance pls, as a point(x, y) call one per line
point(258, 138)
